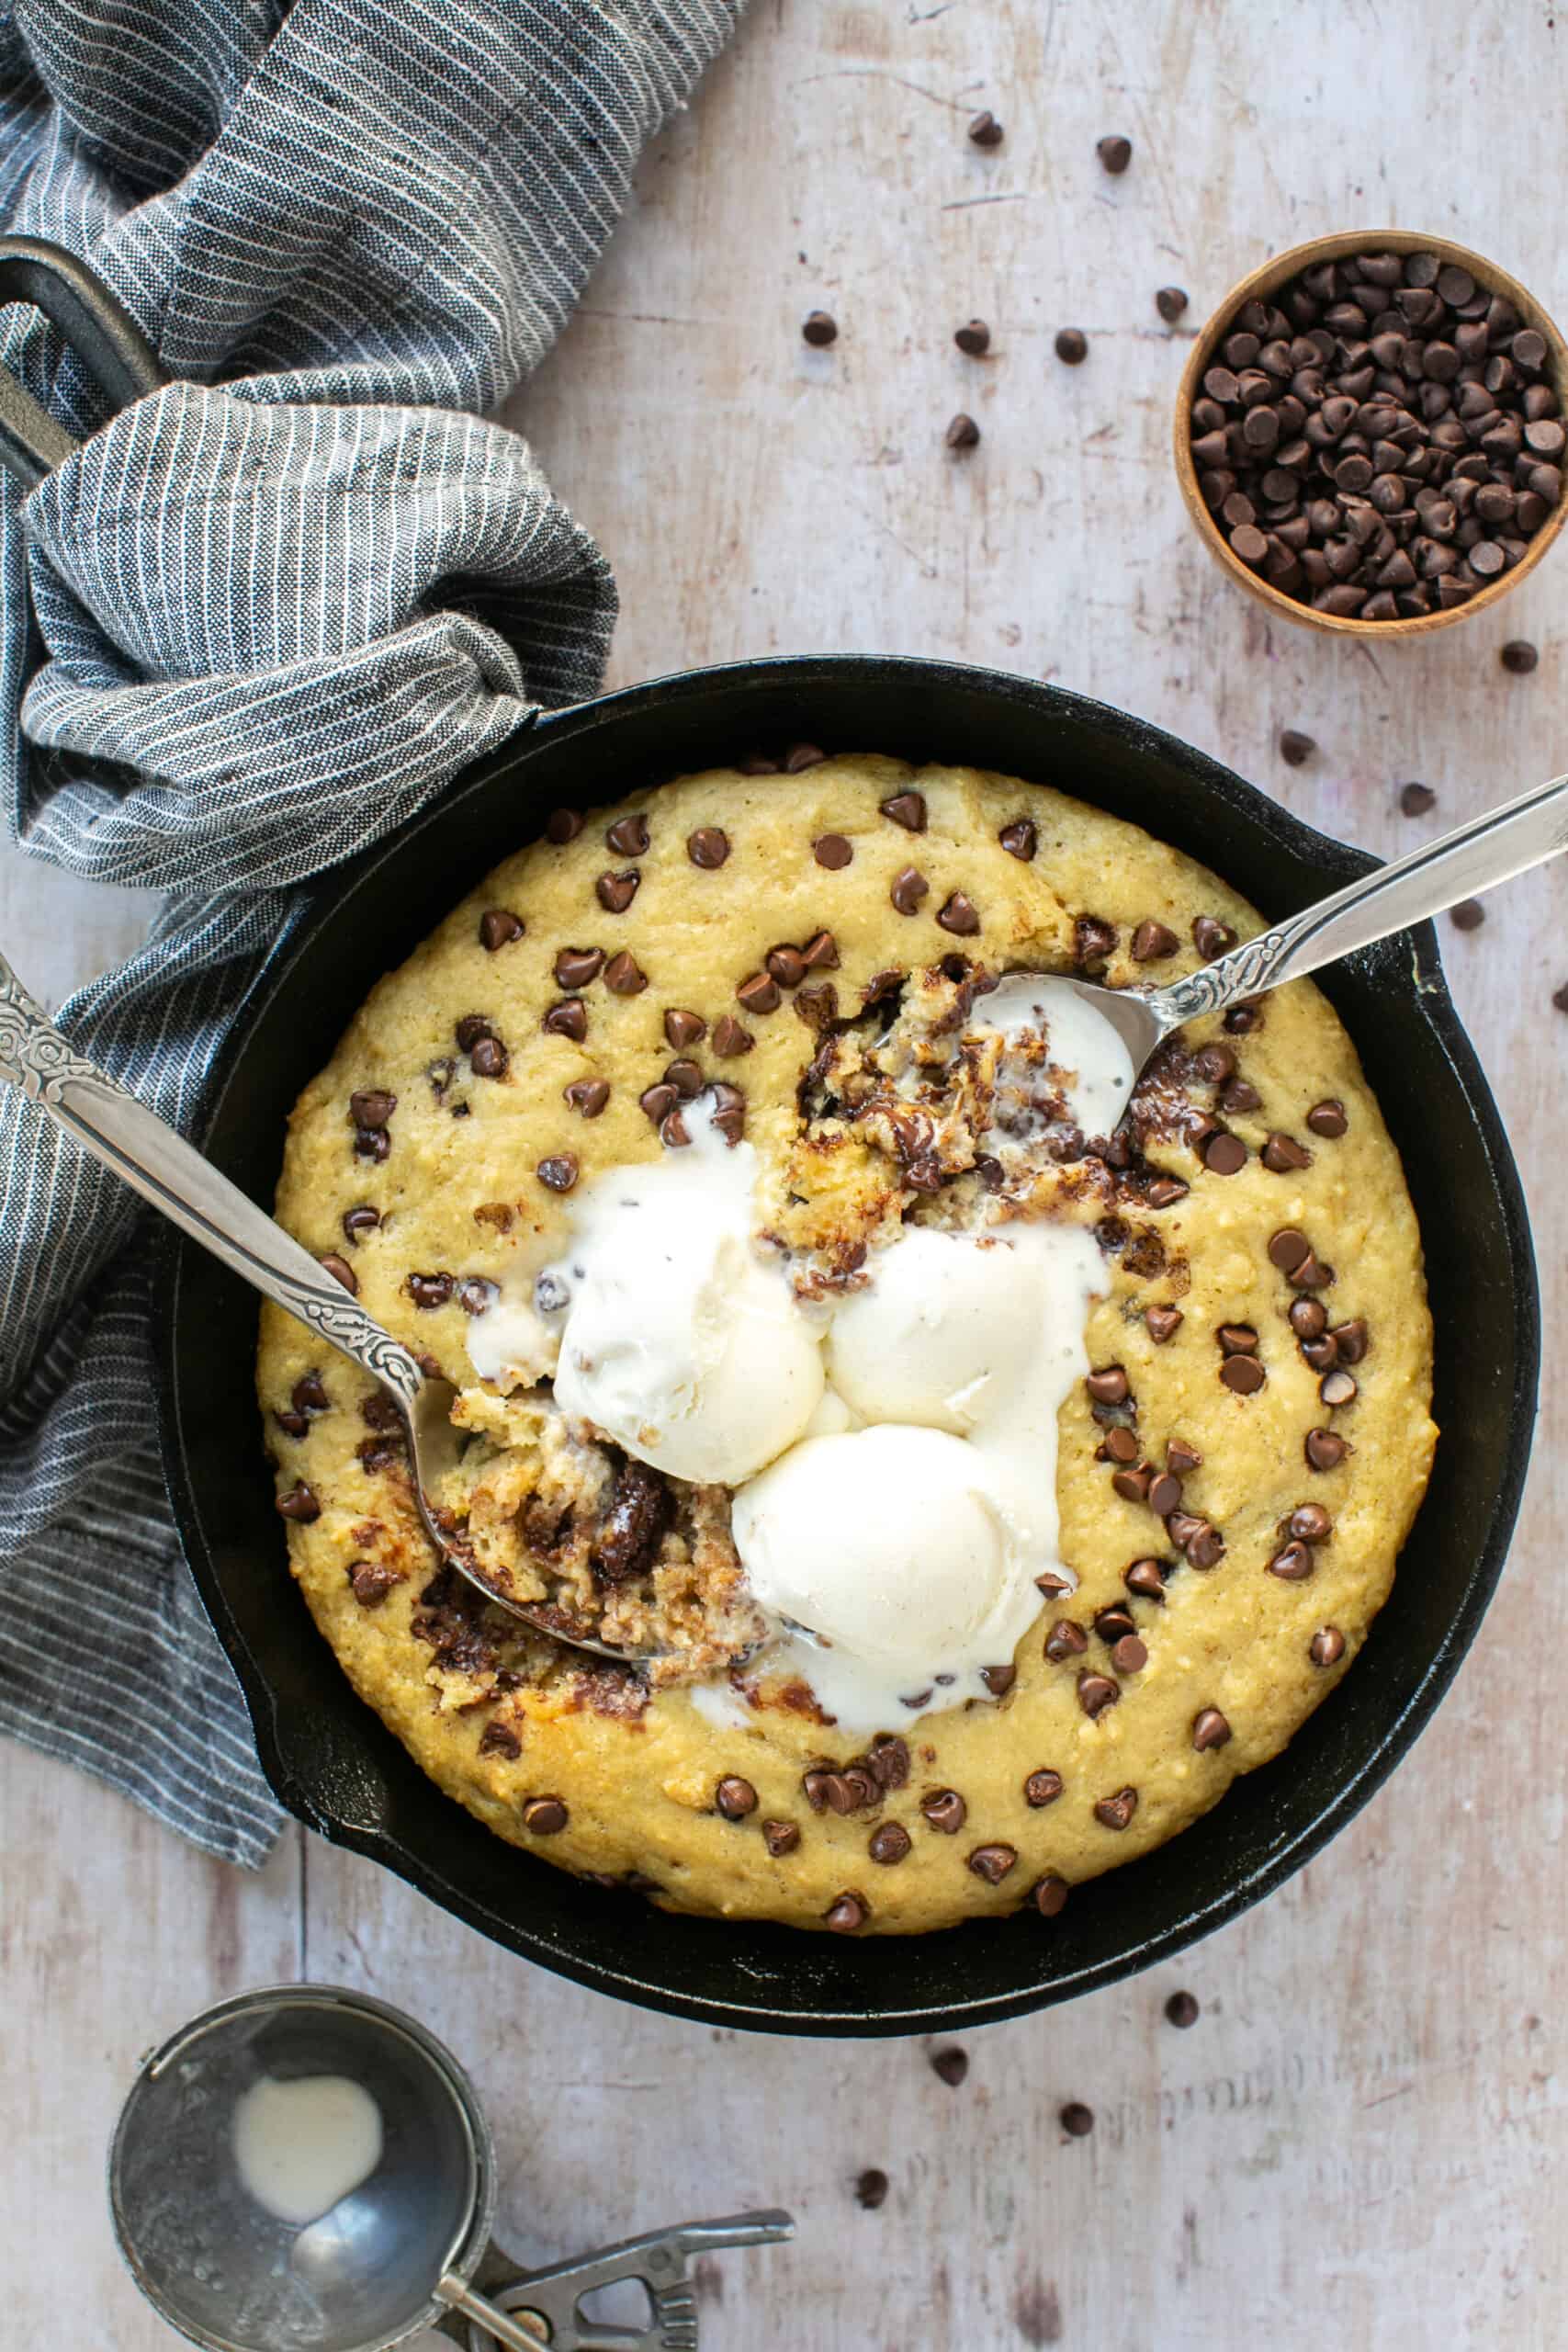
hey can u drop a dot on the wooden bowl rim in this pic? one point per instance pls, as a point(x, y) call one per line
point(1263, 280)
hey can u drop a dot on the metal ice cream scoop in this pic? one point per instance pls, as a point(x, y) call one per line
point(143, 1149)
point(1490, 849)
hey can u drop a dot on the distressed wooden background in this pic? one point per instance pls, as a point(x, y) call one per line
point(1360, 2140)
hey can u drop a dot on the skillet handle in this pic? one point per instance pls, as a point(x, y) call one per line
point(100, 330)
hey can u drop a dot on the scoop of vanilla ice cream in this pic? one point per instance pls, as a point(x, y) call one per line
point(679, 1340)
point(947, 1324)
point(883, 1542)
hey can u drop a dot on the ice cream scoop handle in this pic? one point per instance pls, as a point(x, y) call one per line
point(158, 1164)
point(1490, 849)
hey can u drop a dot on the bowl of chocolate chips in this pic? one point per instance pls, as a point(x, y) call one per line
point(1370, 434)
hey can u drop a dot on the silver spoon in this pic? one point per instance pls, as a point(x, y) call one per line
point(166, 1169)
point(1490, 849)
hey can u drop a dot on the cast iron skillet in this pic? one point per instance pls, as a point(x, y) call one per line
point(330, 1758)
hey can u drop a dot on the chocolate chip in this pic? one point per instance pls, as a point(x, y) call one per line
point(1224, 1154)
point(1111, 1623)
point(1133, 1485)
point(1469, 915)
point(819, 328)
point(1337, 1388)
point(489, 1058)
point(1309, 1524)
point(952, 2065)
point(993, 1862)
point(832, 851)
point(1416, 799)
point(1020, 838)
point(299, 1504)
point(430, 1291)
point(1181, 2010)
point(1327, 1117)
point(587, 1096)
point(729, 1039)
point(801, 756)
point(616, 891)
point(1115, 1813)
point(974, 338)
point(363, 1219)
point(1351, 1339)
point(889, 1760)
point(1211, 937)
point(1049, 1895)
point(1282, 1154)
point(1243, 1376)
point(1043, 1787)
point(1094, 940)
point(674, 1132)
point(1296, 749)
point(1164, 1192)
point(563, 825)
point(821, 953)
point(910, 887)
point(1326, 1646)
point(1519, 656)
point(1182, 1458)
point(1114, 152)
point(1163, 1323)
point(905, 809)
point(1072, 346)
point(1065, 1639)
point(566, 1019)
point(958, 915)
point(786, 964)
point(846, 1913)
point(1292, 1562)
point(628, 836)
point(945, 1810)
point(781, 1838)
point(985, 130)
point(1130, 1655)
point(309, 1393)
point(373, 1108)
point(1323, 1450)
point(735, 1798)
point(559, 1173)
point(1109, 1386)
point(729, 1113)
point(1152, 942)
point(498, 927)
point(758, 992)
point(1119, 1445)
point(707, 847)
point(1095, 1693)
point(655, 1102)
point(575, 968)
point(1170, 302)
point(963, 432)
point(1310, 1273)
point(623, 975)
point(1209, 1729)
point(341, 1272)
point(1238, 1340)
point(871, 2188)
point(545, 1817)
point(1143, 1577)
point(370, 1583)
point(682, 1029)
point(999, 1679)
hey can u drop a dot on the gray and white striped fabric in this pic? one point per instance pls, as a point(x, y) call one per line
point(257, 622)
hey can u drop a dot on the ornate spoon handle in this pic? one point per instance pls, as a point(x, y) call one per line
point(1490, 849)
point(166, 1171)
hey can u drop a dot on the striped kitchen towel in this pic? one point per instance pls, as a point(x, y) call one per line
point(253, 624)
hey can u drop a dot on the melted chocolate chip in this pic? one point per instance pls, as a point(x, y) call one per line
point(905, 809)
point(890, 1843)
point(1211, 937)
point(846, 1913)
point(1049, 1895)
point(1327, 1118)
point(562, 825)
point(1043, 1787)
point(1163, 1323)
point(1095, 1693)
point(299, 1504)
point(623, 975)
point(945, 1810)
point(429, 1291)
point(1282, 1154)
point(1326, 1646)
point(958, 915)
point(709, 847)
point(364, 1219)
point(569, 1018)
point(1020, 838)
point(910, 887)
point(832, 851)
point(1323, 1450)
point(559, 1173)
point(1209, 1729)
point(633, 1528)
point(1065, 1639)
point(993, 1862)
point(781, 1838)
point(616, 891)
point(628, 836)
point(735, 1797)
point(587, 1096)
point(1115, 1813)
point(1145, 1578)
point(489, 1058)
point(498, 928)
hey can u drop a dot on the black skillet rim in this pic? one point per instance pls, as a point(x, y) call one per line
point(1431, 1002)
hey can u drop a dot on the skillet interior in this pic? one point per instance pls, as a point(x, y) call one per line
point(331, 1760)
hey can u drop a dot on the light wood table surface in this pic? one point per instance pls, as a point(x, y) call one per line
point(1360, 2140)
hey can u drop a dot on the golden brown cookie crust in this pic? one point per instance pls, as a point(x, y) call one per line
point(572, 1764)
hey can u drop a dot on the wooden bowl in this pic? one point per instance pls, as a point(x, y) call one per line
point(1266, 281)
